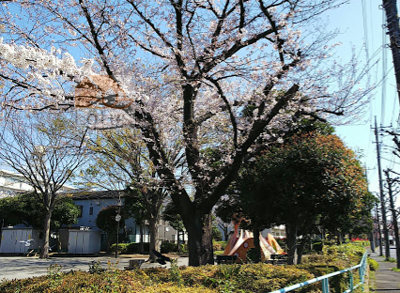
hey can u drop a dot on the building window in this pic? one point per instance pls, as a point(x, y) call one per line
point(91, 211)
point(80, 211)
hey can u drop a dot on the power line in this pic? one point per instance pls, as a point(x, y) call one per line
point(366, 42)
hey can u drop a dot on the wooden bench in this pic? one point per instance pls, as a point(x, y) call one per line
point(226, 259)
point(135, 263)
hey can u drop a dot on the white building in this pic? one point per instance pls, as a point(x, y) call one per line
point(13, 183)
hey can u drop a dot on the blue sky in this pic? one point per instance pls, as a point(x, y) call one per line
point(358, 135)
point(355, 31)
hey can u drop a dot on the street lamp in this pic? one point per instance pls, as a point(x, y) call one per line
point(118, 219)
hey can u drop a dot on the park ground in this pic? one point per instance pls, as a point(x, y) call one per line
point(20, 267)
point(24, 267)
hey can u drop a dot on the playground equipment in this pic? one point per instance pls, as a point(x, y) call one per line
point(241, 241)
point(275, 245)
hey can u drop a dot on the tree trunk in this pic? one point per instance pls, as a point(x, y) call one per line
point(371, 238)
point(44, 252)
point(257, 247)
point(178, 241)
point(154, 243)
point(291, 236)
point(300, 248)
point(394, 219)
point(141, 248)
point(200, 247)
point(338, 237)
point(225, 229)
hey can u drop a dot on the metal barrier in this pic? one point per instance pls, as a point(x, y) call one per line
point(362, 266)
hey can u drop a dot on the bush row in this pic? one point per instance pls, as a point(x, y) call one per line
point(133, 247)
point(335, 258)
point(206, 279)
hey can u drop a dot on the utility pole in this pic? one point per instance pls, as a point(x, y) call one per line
point(382, 198)
point(379, 230)
point(390, 182)
point(392, 24)
point(371, 236)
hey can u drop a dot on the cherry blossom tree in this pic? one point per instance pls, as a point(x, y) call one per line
point(216, 76)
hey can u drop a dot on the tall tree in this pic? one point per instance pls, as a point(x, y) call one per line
point(180, 71)
point(46, 152)
point(392, 191)
point(28, 209)
point(106, 221)
point(312, 178)
point(120, 161)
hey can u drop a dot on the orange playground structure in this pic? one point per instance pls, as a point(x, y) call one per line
point(242, 241)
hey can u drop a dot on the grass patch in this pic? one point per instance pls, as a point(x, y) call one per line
point(372, 281)
point(373, 264)
point(390, 259)
point(395, 269)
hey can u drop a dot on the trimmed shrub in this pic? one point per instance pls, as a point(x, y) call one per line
point(352, 253)
point(205, 279)
point(183, 248)
point(122, 247)
point(334, 258)
point(317, 246)
point(238, 278)
point(130, 248)
point(373, 264)
point(167, 247)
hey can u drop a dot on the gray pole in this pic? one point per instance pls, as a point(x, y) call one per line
point(379, 230)
point(382, 198)
point(118, 219)
point(371, 235)
point(392, 24)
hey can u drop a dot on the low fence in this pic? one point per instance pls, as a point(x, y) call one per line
point(362, 266)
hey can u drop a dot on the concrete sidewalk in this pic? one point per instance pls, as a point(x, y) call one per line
point(387, 281)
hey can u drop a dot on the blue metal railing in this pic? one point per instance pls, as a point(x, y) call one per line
point(362, 266)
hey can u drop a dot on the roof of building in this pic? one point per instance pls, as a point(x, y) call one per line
point(21, 184)
point(97, 194)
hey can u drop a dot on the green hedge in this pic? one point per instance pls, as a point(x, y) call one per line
point(167, 247)
point(335, 258)
point(206, 279)
point(129, 248)
point(133, 247)
point(373, 264)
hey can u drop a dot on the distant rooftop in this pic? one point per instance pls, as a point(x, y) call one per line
point(97, 194)
point(12, 183)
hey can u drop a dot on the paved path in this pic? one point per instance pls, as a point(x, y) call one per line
point(19, 267)
point(387, 281)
